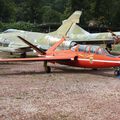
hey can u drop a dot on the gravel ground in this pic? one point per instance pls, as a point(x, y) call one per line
point(28, 93)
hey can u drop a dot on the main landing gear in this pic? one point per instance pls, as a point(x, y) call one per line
point(117, 71)
point(94, 69)
point(23, 55)
point(47, 68)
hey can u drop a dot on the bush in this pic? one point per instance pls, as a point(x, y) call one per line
point(19, 25)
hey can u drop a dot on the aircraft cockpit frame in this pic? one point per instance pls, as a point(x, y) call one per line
point(90, 49)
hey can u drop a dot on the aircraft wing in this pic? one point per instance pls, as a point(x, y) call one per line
point(42, 58)
point(94, 41)
point(50, 56)
point(16, 49)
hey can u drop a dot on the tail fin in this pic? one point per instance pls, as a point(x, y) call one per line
point(77, 30)
point(67, 24)
point(74, 18)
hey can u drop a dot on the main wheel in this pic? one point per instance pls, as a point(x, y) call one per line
point(94, 69)
point(47, 69)
point(23, 55)
point(116, 72)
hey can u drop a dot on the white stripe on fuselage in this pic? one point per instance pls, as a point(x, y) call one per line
point(107, 61)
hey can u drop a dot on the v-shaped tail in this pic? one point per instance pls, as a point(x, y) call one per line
point(38, 50)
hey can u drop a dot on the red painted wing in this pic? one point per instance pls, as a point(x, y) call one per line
point(44, 58)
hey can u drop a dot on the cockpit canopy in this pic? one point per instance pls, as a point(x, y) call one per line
point(90, 49)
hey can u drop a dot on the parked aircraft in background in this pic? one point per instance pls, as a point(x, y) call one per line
point(10, 43)
point(81, 36)
point(76, 35)
point(78, 56)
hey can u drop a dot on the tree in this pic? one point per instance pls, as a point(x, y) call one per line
point(30, 10)
point(49, 15)
point(7, 10)
point(68, 10)
point(59, 5)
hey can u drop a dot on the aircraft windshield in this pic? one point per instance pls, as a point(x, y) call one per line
point(93, 49)
point(82, 47)
point(90, 49)
point(105, 51)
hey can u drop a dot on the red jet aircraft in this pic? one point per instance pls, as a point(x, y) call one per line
point(86, 56)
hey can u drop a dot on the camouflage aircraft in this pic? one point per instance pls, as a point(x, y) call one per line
point(9, 41)
point(75, 34)
point(83, 37)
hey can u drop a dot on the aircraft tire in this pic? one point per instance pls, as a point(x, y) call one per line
point(23, 55)
point(48, 69)
point(94, 69)
point(116, 72)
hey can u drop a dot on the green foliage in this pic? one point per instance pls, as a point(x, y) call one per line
point(68, 10)
point(7, 10)
point(105, 12)
point(18, 25)
point(59, 5)
point(49, 15)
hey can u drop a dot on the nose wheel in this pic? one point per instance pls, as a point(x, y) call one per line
point(47, 68)
point(117, 71)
